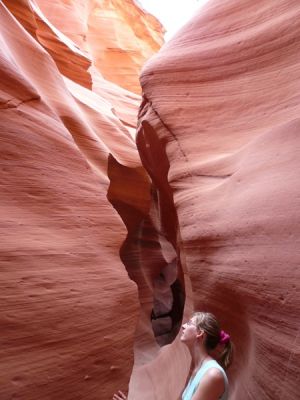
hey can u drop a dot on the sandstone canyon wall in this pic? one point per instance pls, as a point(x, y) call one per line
point(101, 260)
point(68, 308)
point(221, 106)
point(119, 35)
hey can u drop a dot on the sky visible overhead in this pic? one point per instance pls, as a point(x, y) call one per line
point(173, 14)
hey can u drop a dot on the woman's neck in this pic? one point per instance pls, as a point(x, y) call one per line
point(199, 355)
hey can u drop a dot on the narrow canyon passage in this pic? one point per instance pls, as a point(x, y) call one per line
point(143, 180)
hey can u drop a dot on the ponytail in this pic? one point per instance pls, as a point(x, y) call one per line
point(215, 337)
point(226, 355)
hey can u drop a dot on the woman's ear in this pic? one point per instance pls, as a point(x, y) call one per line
point(200, 334)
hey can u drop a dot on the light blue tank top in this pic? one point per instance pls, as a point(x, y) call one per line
point(194, 383)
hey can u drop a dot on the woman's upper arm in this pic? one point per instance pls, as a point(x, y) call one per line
point(211, 387)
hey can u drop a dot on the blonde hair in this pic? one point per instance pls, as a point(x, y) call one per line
point(209, 324)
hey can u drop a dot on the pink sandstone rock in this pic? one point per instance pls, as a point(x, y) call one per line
point(216, 227)
point(221, 108)
point(68, 308)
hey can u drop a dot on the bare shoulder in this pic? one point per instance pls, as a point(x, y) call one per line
point(214, 374)
point(211, 387)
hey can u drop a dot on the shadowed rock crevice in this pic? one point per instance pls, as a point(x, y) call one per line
point(149, 250)
point(155, 161)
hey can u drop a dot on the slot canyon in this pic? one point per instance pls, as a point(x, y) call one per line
point(143, 180)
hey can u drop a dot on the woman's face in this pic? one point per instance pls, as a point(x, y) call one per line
point(189, 331)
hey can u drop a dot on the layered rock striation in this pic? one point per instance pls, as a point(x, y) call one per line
point(119, 35)
point(221, 108)
point(108, 243)
point(64, 127)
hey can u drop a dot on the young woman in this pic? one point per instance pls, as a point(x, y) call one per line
point(208, 380)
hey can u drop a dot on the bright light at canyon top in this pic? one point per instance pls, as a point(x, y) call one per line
point(173, 14)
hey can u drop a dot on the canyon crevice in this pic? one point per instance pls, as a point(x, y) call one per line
point(121, 213)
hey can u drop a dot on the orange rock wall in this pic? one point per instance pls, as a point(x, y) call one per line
point(118, 35)
point(221, 107)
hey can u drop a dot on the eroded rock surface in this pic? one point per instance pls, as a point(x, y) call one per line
point(214, 225)
point(68, 308)
point(119, 35)
point(221, 101)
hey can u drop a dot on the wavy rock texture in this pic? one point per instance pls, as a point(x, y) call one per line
point(68, 309)
point(216, 227)
point(221, 108)
point(118, 34)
